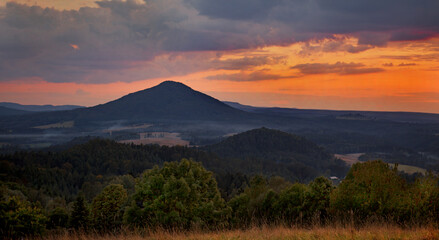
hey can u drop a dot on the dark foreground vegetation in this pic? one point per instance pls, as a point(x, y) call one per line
point(260, 178)
point(182, 195)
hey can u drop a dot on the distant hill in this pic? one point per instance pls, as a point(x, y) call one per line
point(5, 111)
point(341, 114)
point(38, 108)
point(269, 151)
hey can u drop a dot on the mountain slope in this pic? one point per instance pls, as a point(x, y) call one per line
point(5, 111)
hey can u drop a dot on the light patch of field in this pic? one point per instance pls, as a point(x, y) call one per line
point(409, 169)
point(132, 127)
point(270, 233)
point(67, 124)
point(349, 159)
point(160, 138)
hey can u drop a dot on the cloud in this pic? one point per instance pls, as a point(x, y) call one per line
point(107, 42)
point(246, 63)
point(340, 68)
point(336, 16)
point(406, 64)
point(388, 64)
point(248, 77)
point(333, 44)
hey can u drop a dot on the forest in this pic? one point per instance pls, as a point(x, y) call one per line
point(102, 186)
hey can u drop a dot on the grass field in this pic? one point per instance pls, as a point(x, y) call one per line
point(160, 138)
point(68, 124)
point(274, 233)
point(352, 158)
point(349, 159)
point(409, 169)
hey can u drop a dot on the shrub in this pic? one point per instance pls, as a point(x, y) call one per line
point(106, 208)
point(179, 195)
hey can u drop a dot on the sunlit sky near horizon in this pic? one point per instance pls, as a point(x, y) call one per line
point(315, 54)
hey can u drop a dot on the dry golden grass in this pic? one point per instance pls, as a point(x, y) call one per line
point(329, 233)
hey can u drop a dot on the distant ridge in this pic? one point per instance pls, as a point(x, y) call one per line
point(418, 117)
point(38, 108)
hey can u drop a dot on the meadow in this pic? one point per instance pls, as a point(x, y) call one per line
point(261, 233)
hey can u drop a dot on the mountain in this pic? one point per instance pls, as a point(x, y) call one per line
point(269, 151)
point(5, 111)
point(38, 108)
point(167, 101)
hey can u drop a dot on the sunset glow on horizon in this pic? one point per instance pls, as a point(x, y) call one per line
point(95, 54)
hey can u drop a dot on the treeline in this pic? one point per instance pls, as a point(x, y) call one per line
point(184, 195)
point(90, 166)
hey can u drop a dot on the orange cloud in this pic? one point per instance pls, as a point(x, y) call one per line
point(263, 77)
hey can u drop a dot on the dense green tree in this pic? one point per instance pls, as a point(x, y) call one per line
point(421, 202)
point(256, 204)
point(370, 188)
point(80, 216)
point(290, 206)
point(178, 195)
point(18, 218)
point(58, 218)
point(106, 208)
point(318, 199)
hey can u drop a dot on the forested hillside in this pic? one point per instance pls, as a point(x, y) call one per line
point(275, 152)
point(258, 177)
point(91, 165)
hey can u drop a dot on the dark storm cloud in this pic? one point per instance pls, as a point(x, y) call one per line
point(118, 36)
point(235, 9)
point(404, 19)
point(329, 16)
point(340, 68)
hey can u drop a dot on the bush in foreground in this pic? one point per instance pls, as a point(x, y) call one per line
point(180, 195)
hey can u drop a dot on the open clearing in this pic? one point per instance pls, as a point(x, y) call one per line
point(409, 169)
point(160, 138)
point(378, 233)
point(349, 158)
point(352, 158)
point(124, 128)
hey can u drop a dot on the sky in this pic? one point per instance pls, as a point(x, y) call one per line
point(380, 55)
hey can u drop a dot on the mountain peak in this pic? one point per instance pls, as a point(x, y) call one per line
point(173, 84)
point(169, 100)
